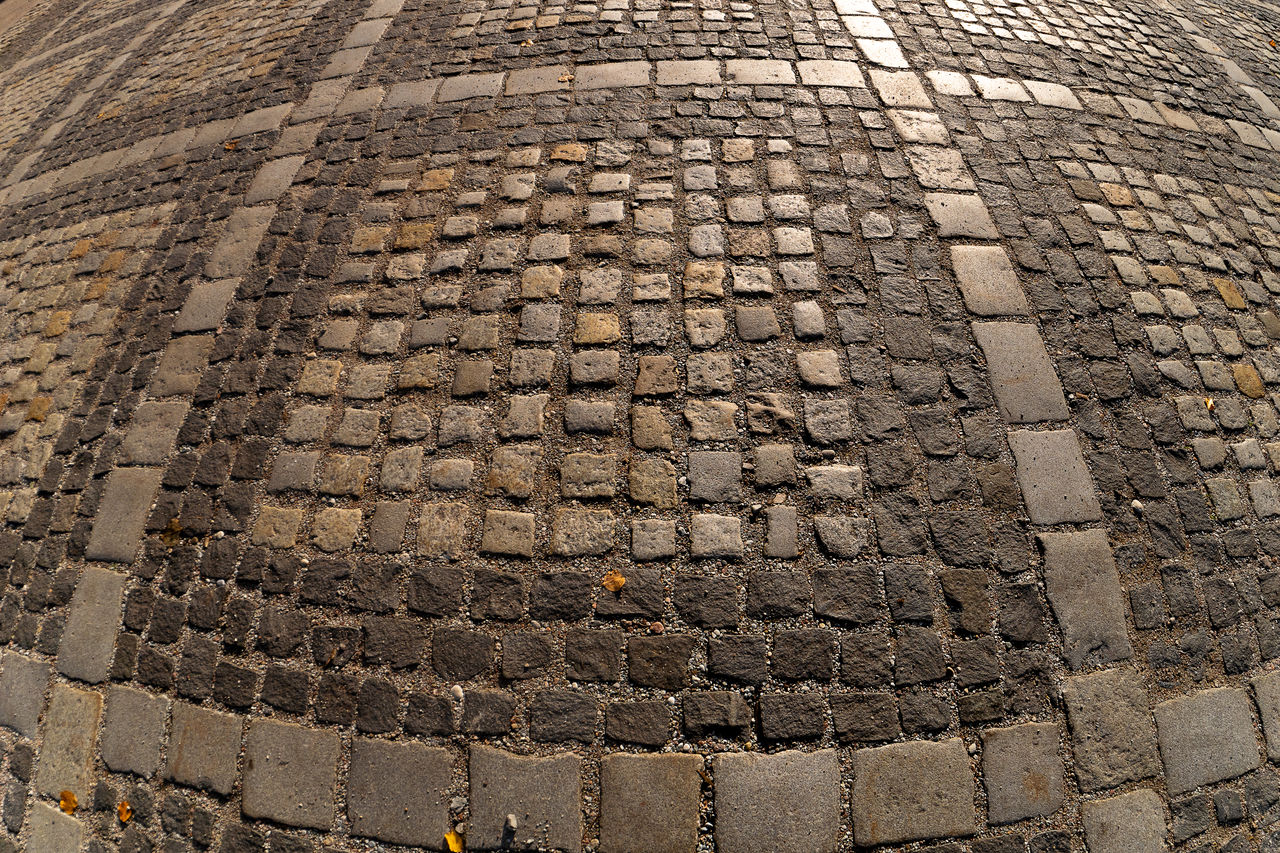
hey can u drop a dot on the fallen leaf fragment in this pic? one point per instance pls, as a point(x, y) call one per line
point(1209, 404)
point(613, 580)
point(454, 841)
point(124, 811)
point(565, 78)
point(231, 144)
point(67, 801)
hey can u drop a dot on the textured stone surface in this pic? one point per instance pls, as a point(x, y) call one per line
point(203, 749)
point(1111, 730)
point(788, 799)
point(912, 791)
point(1022, 771)
point(396, 792)
point(23, 682)
point(1130, 823)
point(89, 638)
point(1206, 737)
point(70, 730)
point(1022, 376)
point(542, 793)
point(1083, 587)
point(133, 731)
point(649, 802)
point(1055, 482)
point(291, 774)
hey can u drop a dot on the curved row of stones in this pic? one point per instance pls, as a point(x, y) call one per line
point(368, 427)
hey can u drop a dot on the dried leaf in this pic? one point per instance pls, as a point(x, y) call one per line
point(453, 841)
point(613, 580)
point(67, 801)
point(124, 811)
point(1209, 404)
point(231, 144)
point(565, 78)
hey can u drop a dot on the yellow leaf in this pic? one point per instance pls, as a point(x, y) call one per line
point(231, 144)
point(565, 78)
point(67, 801)
point(1209, 404)
point(125, 811)
point(454, 841)
point(613, 580)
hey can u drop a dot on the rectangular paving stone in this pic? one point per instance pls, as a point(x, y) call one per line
point(51, 831)
point(1206, 737)
point(1112, 737)
point(1083, 587)
point(181, 366)
point(1266, 692)
point(418, 93)
point(679, 72)
point(1022, 772)
point(396, 792)
point(783, 801)
point(649, 802)
point(1022, 377)
point(89, 638)
point(961, 215)
point(912, 791)
point(1130, 823)
point(272, 181)
point(291, 774)
point(206, 306)
point(534, 81)
point(204, 746)
point(987, 281)
point(23, 681)
point(467, 86)
point(133, 730)
point(1052, 94)
point(122, 513)
point(235, 250)
point(611, 75)
point(1055, 482)
point(70, 731)
point(542, 793)
point(900, 88)
point(831, 73)
point(759, 72)
point(152, 433)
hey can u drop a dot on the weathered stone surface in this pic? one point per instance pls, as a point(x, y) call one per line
point(787, 800)
point(1055, 482)
point(133, 731)
point(1130, 823)
point(51, 831)
point(911, 791)
point(1022, 771)
point(1266, 691)
point(1112, 736)
point(70, 730)
point(23, 682)
point(987, 281)
point(396, 792)
point(204, 747)
point(1022, 377)
point(1206, 737)
point(88, 641)
point(291, 774)
point(1083, 587)
point(649, 802)
point(117, 531)
point(542, 793)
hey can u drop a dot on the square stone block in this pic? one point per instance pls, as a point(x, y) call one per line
point(1206, 737)
point(396, 792)
point(649, 802)
point(912, 791)
point(543, 793)
point(784, 801)
point(291, 774)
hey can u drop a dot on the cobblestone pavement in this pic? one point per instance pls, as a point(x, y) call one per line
point(640, 425)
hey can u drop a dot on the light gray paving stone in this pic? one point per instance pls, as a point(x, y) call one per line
point(1052, 94)
point(612, 75)
point(418, 93)
point(649, 802)
point(543, 794)
point(23, 681)
point(70, 730)
point(1000, 89)
point(51, 831)
point(180, 368)
point(396, 792)
point(759, 72)
point(206, 306)
point(1022, 771)
point(1083, 587)
point(1112, 737)
point(900, 88)
point(258, 121)
point(1055, 483)
point(235, 250)
point(544, 78)
point(1266, 692)
point(831, 73)
point(291, 774)
point(939, 168)
point(987, 281)
point(272, 181)
point(88, 641)
point(204, 747)
point(783, 801)
point(1206, 737)
point(132, 730)
point(122, 513)
point(466, 86)
point(679, 72)
point(1022, 377)
point(152, 434)
point(950, 83)
point(1130, 823)
point(961, 215)
point(912, 791)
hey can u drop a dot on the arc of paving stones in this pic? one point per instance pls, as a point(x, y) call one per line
point(901, 793)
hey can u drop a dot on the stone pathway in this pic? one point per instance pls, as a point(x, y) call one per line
point(639, 425)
